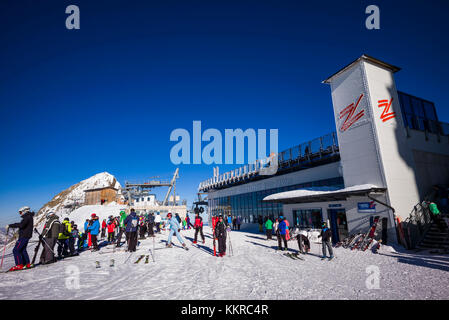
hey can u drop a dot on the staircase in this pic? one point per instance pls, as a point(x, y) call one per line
point(435, 238)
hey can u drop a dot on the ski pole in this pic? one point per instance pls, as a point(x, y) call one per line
point(45, 242)
point(4, 250)
point(154, 259)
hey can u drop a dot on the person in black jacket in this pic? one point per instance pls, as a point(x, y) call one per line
point(150, 224)
point(325, 236)
point(49, 238)
point(220, 234)
point(25, 233)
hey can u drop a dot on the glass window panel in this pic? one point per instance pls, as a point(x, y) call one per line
point(429, 109)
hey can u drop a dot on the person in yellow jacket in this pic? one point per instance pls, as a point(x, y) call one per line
point(63, 238)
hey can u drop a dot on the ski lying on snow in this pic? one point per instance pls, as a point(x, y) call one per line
point(140, 258)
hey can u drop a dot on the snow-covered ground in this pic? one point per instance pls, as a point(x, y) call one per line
point(255, 271)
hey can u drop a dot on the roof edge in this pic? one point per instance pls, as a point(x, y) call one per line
point(367, 58)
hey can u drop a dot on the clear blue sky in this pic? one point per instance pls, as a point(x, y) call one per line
point(106, 97)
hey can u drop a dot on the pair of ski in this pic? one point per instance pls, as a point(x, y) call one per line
point(147, 258)
point(111, 263)
point(294, 256)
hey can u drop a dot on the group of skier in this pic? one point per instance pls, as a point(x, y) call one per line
point(280, 227)
point(66, 233)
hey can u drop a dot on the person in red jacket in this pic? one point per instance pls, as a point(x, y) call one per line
point(198, 226)
point(103, 228)
point(111, 231)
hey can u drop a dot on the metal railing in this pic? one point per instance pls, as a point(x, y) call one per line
point(418, 222)
point(416, 225)
point(304, 153)
point(422, 124)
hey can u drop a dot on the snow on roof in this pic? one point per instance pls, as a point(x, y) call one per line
point(321, 193)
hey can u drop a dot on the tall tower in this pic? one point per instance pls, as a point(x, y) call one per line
point(371, 132)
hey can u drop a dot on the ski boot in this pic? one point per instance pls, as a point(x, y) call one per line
point(185, 246)
point(169, 245)
point(29, 266)
point(204, 241)
point(194, 242)
point(16, 268)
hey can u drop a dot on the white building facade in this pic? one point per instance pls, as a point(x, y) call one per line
point(388, 151)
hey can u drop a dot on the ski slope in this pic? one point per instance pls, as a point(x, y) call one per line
point(255, 271)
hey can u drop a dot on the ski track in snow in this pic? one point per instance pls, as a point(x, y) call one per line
point(255, 271)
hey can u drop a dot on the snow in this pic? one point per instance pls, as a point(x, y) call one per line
point(316, 191)
point(255, 271)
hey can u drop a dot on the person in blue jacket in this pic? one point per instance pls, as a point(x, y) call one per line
point(131, 223)
point(94, 230)
point(174, 229)
point(282, 234)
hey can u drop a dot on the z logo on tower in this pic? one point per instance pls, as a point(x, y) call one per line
point(386, 115)
point(351, 116)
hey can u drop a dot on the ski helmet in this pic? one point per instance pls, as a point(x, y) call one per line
point(93, 215)
point(169, 214)
point(24, 209)
point(49, 214)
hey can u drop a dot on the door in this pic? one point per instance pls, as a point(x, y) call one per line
point(339, 224)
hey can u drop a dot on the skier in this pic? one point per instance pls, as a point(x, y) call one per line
point(103, 228)
point(63, 239)
point(72, 238)
point(178, 217)
point(325, 236)
point(269, 228)
point(287, 231)
point(89, 236)
point(86, 225)
point(234, 223)
point(198, 226)
point(150, 224)
point(184, 224)
point(174, 229)
point(239, 222)
point(188, 222)
point(111, 231)
point(260, 221)
point(157, 221)
point(94, 230)
point(142, 227)
point(25, 226)
point(50, 236)
point(122, 227)
point(281, 234)
point(229, 222)
point(131, 223)
point(303, 243)
point(436, 216)
point(220, 234)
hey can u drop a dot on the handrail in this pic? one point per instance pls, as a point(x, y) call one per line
point(418, 222)
point(326, 144)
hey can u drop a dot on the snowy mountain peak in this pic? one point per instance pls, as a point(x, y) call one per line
point(75, 195)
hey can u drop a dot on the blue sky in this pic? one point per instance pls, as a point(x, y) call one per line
point(106, 97)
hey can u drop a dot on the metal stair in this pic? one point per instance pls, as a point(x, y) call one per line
point(436, 238)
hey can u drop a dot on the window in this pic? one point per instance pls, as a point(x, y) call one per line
point(308, 218)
